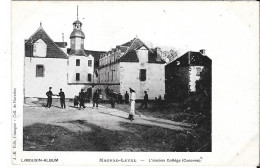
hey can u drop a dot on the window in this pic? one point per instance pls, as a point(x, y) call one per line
point(142, 74)
point(77, 62)
point(89, 63)
point(89, 77)
point(198, 71)
point(77, 77)
point(39, 71)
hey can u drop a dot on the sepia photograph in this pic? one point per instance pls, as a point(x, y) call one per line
point(135, 96)
point(128, 77)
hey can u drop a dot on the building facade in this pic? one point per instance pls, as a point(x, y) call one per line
point(134, 65)
point(182, 73)
point(52, 64)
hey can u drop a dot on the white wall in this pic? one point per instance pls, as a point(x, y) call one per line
point(127, 74)
point(39, 48)
point(83, 69)
point(155, 79)
point(55, 76)
point(194, 77)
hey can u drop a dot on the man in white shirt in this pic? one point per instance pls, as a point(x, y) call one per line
point(132, 104)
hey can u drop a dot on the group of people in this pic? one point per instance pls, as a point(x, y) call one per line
point(79, 101)
point(61, 94)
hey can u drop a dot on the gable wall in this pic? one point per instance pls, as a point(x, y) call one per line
point(55, 76)
point(154, 84)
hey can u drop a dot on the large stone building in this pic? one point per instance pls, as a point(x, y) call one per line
point(52, 64)
point(134, 65)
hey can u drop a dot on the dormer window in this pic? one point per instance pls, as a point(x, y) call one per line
point(39, 48)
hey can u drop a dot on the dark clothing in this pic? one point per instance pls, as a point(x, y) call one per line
point(95, 96)
point(49, 99)
point(62, 100)
point(81, 99)
point(145, 101)
point(120, 98)
point(113, 100)
point(49, 102)
point(113, 103)
point(62, 103)
point(95, 103)
point(76, 101)
point(131, 117)
point(95, 99)
point(62, 95)
point(126, 98)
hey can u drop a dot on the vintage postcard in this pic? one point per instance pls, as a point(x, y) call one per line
point(135, 83)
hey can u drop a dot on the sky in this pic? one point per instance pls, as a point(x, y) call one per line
point(180, 25)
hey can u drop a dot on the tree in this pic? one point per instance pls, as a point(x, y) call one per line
point(170, 55)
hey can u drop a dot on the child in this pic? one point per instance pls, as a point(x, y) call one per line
point(112, 100)
point(76, 101)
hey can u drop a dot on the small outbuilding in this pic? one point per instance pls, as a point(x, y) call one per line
point(181, 74)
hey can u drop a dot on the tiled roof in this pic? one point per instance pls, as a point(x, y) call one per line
point(95, 54)
point(130, 56)
point(61, 44)
point(53, 50)
point(192, 58)
point(152, 58)
point(122, 48)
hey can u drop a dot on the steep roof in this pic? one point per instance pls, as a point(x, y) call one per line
point(130, 56)
point(191, 58)
point(53, 50)
point(61, 44)
point(129, 49)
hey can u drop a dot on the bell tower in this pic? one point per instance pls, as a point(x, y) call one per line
point(77, 38)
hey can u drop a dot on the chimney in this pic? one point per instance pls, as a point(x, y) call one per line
point(158, 53)
point(203, 52)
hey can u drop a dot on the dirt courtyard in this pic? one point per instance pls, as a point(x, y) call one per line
point(101, 129)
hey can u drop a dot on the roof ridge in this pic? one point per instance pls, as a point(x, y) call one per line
point(39, 28)
point(146, 45)
point(128, 48)
point(54, 43)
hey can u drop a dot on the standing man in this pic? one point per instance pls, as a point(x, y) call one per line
point(95, 98)
point(132, 104)
point(81, 99)
point(49, 95)
point(62, 99)
point(126, 97)
point(144, 103)
point(120, 98)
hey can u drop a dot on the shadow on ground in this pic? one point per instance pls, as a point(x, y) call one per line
point(47, 137)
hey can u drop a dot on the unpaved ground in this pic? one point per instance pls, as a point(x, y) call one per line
point(100, 129)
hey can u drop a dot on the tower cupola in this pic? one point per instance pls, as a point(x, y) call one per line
point(77, 38)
